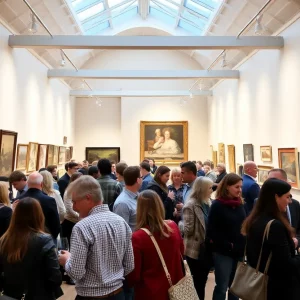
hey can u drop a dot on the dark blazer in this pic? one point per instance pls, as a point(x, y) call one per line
point(38, 272)
point(5, 216)
point(145, 182)
point(284, 271)
point(63, 182)
point(218, 180)
point(250, 192)
point(295, 217)
point(49, 208)
point(168, 203)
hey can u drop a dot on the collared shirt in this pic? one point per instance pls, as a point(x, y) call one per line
point(288, 212)
point(101, 253)
point(250, 176)
point(125, 207)
point(187, 190)
point(111, 189)
point(146, 179)
point(22, 192)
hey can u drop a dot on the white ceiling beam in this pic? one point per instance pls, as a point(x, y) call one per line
point(142, 93)
point(145, 42)
point(180, 10)
point(143, 74)
point(144, 8)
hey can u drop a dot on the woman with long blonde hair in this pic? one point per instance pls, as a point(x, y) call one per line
point(148, 277)
point(28, 259)
point(51, 192)
point(5, 210)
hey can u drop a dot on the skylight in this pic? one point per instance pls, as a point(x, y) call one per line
point(192, 16)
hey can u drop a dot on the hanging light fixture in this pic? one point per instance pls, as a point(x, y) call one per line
point(33, 26)
point(62, 61)
point(258, 30)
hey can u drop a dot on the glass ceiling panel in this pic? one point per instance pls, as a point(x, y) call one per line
point(198, 8)
point(189, 27)
point(91, 11)
point(125, 16)
point(162, 15)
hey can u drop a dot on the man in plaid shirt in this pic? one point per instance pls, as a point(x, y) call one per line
point(101, 250)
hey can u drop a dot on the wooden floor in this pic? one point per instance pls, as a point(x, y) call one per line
point(70, 292)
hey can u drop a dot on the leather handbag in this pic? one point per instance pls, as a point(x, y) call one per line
point(249, 283)
point(184, 289)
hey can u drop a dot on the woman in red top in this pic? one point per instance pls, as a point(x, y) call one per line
point(148, 277)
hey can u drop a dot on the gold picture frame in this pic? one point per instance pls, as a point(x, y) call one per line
point(221, 150)
point(262, 174)
point(266, 153)
point(166, 142)
point(288, 161)
point(231, 158)
point(32, 157)
point(21, 161)
point(215, 158)
point(8, 145)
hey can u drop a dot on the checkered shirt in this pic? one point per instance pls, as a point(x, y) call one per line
point(101, 253)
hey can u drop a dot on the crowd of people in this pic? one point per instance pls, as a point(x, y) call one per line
point(197, 212)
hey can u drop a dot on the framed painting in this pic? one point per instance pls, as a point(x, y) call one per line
point(288, 161)
point(55, 154)
point(22, 151)
point(221, 149)
point(50, 152)
point(240, 169)
point(8, 143)
point(96, 153)
point(71, 152)
point(68, 154)
point(32, 157)
point(61, 172)
point(231, 158)
point(262, 174)
point(62, 155)
point(266, 153)
point(215, 158)
point(166, 142)
point(42, 156)
point(248, 152)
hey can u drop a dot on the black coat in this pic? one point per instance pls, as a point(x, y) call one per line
point(5, 216)
point(284, 271)
point(295, 217)
point(168, 203)
point(49, 208)
point(38, 274)
point(63, 183)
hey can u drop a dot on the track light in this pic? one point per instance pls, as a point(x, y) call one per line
point(33, 26)
point(258, 30)
point(62, 61)
point(224, 61)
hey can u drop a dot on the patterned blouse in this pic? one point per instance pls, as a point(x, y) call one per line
point(178, 193)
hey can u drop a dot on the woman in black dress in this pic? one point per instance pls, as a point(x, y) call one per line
point(5, 210)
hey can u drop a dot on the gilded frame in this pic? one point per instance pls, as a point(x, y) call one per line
point(221, 151)
point(32, 156)
point(231, 158)
point(262, 173)
point(179, 141)
point(96, 153)
point(8, 145)
point(266, 153)
point(21, 159)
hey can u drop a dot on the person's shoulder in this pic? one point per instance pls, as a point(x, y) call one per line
point(5, 210)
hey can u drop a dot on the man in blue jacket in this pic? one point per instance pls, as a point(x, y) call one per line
point(250, 190)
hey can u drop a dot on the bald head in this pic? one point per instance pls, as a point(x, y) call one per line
point(250, 168)
point(35, 180)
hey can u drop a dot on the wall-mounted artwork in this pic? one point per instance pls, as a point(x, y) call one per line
point(68, 154)
point(71, 152)
point(42, 156)
point(248, 152)
point(22, 151)
point(96, 153)
point(266, 153)
point(215, 158)
point(262, 174)
point(55, 155)
point(50, 152)
point(32, 157)
point(8, 143)
point(288, 161)
point(231, 158)
point(62, 155)
point(166, 142)
point(221, 148)
point(240, 169)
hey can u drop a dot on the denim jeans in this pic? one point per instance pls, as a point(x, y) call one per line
point(119, 296)
point(225, 268)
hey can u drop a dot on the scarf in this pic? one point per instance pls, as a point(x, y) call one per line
point(231, 202)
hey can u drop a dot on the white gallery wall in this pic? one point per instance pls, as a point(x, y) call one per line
point(263, 107)
point(39, 109)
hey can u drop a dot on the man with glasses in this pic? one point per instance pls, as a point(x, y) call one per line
point(64, 181)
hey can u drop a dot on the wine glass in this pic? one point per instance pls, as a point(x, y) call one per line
point(62, 244)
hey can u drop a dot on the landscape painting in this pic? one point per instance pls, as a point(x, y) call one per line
point(96, 153)
point(22, 151)
point(8, 143)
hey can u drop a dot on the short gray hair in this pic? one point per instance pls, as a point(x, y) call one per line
point(85, 185)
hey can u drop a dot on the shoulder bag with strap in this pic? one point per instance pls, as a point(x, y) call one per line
point(249, 283)
point(184, 289)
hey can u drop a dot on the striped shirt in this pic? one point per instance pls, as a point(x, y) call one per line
point(101, 253)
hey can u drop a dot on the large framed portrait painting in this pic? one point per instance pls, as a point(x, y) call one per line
point(8, 143)
point(96, 153)
point(288, 161)
point(166, 142)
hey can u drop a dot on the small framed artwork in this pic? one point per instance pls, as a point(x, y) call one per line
point(96, 153)
point(240, 169)
point(50, 152)
point(266, 153)
point(68, 154)
point(42, 156)
point(288, 161)
point(248, 152)
point(164, 141)
point(215, 158)
point(8, 143)
point(65, 141)
point(22, 151)
point(55, 155)
point(71, 152)
point(62, 155)
point(221, 148)
point(262, 174)
point(32, 157)
point(61, 172)
point(231, 158)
